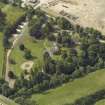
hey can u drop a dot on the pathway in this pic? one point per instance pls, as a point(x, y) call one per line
point(17, 37)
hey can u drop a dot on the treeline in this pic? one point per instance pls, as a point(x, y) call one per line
point(10, 30)
point(90, 99)
point(4, 88)
point(4, 1)
point(2, 20)
point(6, 91)
point(39, 82)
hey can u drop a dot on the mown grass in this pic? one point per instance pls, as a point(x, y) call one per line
point(72, 91)
point(1, 53)
point(18, 55)
point(6, 101)
point(12, 13)
point(101, 102)
point(1, 5)
point(37, 48)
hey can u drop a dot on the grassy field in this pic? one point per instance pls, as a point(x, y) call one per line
point(101, 102)
point(35, 46)
point(1, 5)
point(1, 53)
point(70, 92)
point(6, 101)
point(13, 13)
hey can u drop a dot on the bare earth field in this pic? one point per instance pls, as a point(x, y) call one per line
point(89, 13)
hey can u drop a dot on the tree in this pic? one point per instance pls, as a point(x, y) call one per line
point(12, 61)
point(93, 51)
point(59, 38)
point(6, 91)
point(4, 1)
point(22, 47)
point(64, 54)
point(48, 28)
point(28, 54)
point(46, 57)
point(23, 101)
point(49, 64)
point(102, 51)
point(64, 23)
point(55, 81)
point(2, 20)
point(6, 43)
point(83, 58)
point(35, 26)
point(14, 2)
point(30, 13)
point(59, 67)
point(11, 75)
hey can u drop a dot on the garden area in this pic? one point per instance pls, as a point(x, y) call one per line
point(37, 49)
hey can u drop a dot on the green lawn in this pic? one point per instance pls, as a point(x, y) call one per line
point(70, 92)
point(1, 5)
point(6, 101)
point(101, 102)
point(1, 53)
point(35, 46)
point(12, 13)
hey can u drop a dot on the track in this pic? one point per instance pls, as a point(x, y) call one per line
point(17, 37)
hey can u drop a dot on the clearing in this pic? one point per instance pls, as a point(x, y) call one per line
point(37, 49)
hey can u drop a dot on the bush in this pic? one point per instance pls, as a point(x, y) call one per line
point(91, 99)
point(28, 54)
point(22, 47)
point(11, 75)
